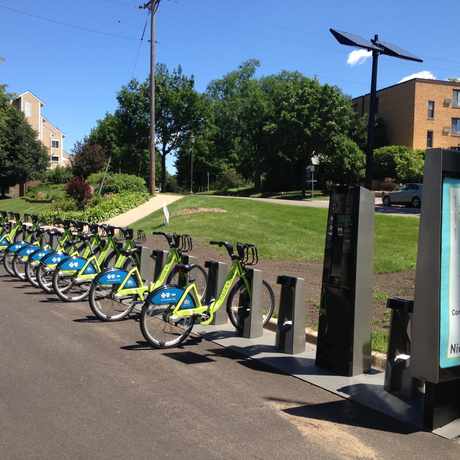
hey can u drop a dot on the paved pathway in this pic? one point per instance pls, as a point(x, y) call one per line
point(392, 211)
point(154, 204)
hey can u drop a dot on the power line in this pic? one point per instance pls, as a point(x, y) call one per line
point(136, 60)
point(67, 24)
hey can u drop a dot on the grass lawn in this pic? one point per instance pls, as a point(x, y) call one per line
point(283, 232)
point(21, 206)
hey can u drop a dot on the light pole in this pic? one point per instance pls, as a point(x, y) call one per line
point(377, 47)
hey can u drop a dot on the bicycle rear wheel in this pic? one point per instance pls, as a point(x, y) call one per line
point(160, 330)
point(105, 306)
point(239, 298)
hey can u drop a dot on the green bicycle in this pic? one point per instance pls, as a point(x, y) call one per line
point(73, 277)
point(115, 293)
point(170, 312)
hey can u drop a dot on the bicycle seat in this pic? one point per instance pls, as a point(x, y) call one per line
point(130, 252)
point(184, 268)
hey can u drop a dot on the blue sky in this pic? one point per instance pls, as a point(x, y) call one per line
point(78, 73)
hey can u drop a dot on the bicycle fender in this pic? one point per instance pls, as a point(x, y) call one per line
point(54, 258)
point(76, 264)
point(115, 278)
point(170, 295)
point(15, 247)
point(39, 254)
point(27, 250)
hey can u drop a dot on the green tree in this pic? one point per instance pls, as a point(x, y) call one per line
point(346, 165)
point(22, 155)
point(398, 162)
point(88, 159)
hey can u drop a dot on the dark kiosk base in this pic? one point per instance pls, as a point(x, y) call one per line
point(344, 331)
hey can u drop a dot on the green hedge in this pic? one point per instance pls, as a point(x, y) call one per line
point(99, 209)
point(117, 183)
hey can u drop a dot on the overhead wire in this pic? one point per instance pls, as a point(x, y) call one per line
point(67, 24)
point(141, 41)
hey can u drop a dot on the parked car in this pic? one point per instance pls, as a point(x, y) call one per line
point(409, 195)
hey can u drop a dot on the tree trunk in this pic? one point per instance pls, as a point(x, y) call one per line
point(303, 176)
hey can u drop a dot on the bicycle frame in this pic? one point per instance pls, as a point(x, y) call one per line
point(236, 272)
point(174, 257)
point(89, 268)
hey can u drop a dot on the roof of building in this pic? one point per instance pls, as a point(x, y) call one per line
point(53, 126)
point(31, 93)
point(415, 80)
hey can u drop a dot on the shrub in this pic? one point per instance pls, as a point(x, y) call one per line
point(59, 175)
point(229, 179)
point(98, 209)
point(117, 183)
point(79, 190)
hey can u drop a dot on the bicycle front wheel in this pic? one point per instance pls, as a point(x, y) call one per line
point(239, 298)
point(31, 273)
point(160, 330)
point(45, 278)
point(8, 263)
point(19, 267)
point(68, 288)
point(106, 306)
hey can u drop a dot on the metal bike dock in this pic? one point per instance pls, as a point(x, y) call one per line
point(250, 313)
point(292, 316)
point(217, 271)
point(422, 376)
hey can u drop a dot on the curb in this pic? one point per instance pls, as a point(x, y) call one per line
point(379, 360)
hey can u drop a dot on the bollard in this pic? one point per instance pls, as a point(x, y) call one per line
point(184, 278)
point(217, 272)
point(292, 315)
point(252, 318)
point(398, 378)
point(146, 264)
point(160, 257)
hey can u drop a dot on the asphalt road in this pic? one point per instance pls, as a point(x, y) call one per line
point(74, 388)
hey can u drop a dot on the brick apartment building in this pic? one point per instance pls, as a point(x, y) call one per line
point(50, 136)
point(418, 113)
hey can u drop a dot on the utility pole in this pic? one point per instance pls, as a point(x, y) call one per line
point(152, 5)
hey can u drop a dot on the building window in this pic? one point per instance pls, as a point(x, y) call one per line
point(55, 144)
point(55, 159)
point(27, 109)
point(429, 139)
point(456, 126)
point(456, 98)
point(431, 110)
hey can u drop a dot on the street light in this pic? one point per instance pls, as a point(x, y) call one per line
point(377, 47)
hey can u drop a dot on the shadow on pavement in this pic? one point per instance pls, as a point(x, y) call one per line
point(345, 412)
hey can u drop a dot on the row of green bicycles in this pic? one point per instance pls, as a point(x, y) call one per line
point(78, 261)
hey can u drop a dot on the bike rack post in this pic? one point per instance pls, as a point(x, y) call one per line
point(160, 257)
point(217, 272)
point(184, 278)
point(398, 376)
point(251, 317)
point(146, 265)
point(292, 315)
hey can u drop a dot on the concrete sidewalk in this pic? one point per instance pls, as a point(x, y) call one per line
point(154, 204)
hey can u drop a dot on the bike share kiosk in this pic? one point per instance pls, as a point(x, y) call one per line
point(435, 334)
point(344, 331)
